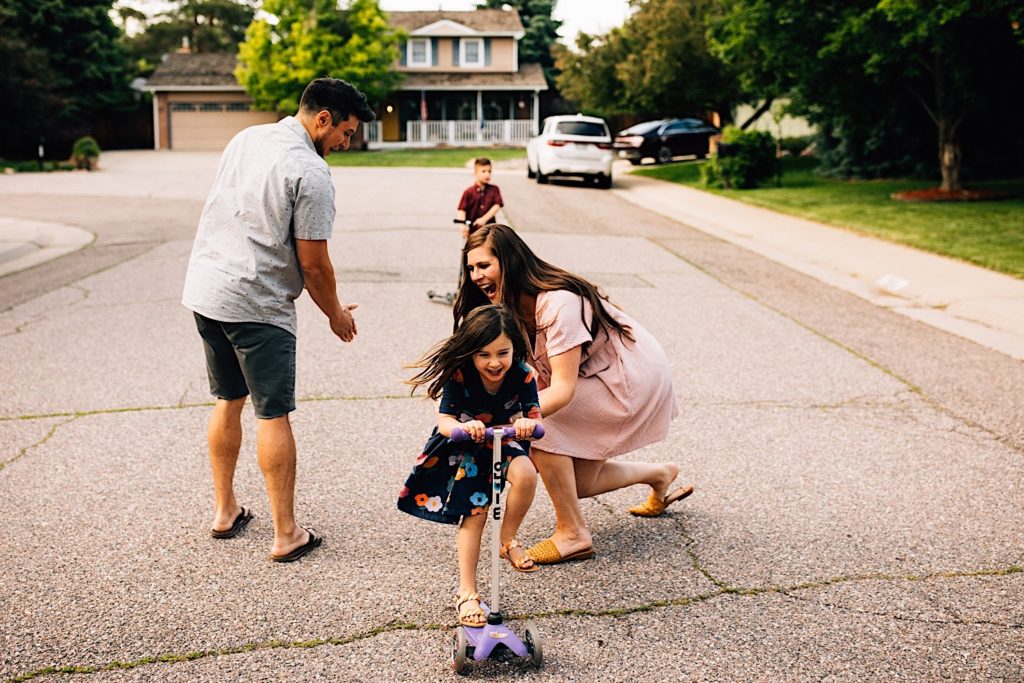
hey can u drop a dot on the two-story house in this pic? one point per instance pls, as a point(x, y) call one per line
point(464, 84)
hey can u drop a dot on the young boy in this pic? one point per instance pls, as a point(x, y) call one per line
point(481, 201)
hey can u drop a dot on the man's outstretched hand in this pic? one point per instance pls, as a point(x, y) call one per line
point(344, 326)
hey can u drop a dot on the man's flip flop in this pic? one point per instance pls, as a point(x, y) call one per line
point(655, 507)
point(312, 544)
point(546, 552)
point(243, 518)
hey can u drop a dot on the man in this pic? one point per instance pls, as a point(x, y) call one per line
point(262, 237)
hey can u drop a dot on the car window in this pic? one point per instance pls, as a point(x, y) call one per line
point(680, 127)
point(642, 128)
point(587, 128)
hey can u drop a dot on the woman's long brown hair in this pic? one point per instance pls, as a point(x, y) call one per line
point(523, 273)
point(482, 326)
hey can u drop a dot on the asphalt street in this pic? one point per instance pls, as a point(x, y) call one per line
point(859, 505)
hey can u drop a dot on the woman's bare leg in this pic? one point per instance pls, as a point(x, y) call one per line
point(594, 477)
point(558, 472)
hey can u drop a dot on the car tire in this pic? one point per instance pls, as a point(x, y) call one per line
point(664, 155)
point(541, 178)
point(604, 182)
point(530, 173)
point(635, 162)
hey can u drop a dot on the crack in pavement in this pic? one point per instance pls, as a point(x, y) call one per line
point(614, 612)
point(26, 449)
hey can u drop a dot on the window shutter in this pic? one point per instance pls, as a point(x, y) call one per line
point(487, 51)
point(433, 51)
point(456, 46)
point(402, 52)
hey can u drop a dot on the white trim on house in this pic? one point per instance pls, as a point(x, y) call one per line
point(430, 88)
point(444, 28)
point(463, 60)
point(194, 88)
point(427, 51)
point(156, 123)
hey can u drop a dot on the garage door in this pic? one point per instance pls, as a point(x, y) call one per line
point(211, 125)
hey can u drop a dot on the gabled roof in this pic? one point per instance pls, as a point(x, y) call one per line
point(482, 21)
point(202, 69)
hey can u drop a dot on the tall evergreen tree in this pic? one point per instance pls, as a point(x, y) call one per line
point(204, 25)
point(540, 32)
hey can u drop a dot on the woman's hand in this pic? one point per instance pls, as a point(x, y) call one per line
point(524, 428)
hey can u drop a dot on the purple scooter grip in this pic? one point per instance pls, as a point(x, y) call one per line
point(459, 434)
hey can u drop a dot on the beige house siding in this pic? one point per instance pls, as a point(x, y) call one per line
point(502, 57)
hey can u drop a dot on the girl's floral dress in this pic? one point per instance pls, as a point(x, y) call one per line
point(452, 479)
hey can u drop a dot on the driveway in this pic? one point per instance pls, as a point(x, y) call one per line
point(859, 505)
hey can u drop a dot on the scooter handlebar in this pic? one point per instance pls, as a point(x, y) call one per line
point(459, 434)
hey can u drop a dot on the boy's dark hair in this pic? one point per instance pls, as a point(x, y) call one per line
point(482, 326)
point(338, 97)
point(481, 161)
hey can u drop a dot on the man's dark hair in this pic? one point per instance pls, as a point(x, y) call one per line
point(481, 161)
point(338, 97)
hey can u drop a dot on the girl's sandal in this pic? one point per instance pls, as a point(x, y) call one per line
point(474, 618)
point(506, 553)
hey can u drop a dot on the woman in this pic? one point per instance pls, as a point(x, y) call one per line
point(606, 388)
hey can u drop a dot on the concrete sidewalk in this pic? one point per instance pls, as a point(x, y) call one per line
point(974, 303)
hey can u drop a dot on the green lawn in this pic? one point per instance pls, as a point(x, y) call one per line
point(453, 157)
point(990, 234)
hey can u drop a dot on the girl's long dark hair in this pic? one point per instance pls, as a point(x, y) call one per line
point(482, 326)
point(523, 273)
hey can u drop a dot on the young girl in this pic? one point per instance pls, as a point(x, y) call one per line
point(482, 381)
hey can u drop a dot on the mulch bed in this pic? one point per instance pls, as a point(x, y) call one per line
point(934, 194)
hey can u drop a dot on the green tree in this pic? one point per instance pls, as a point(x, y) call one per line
point(588, 75)
point(540, 31)
point(657, 64)
point(870, 72)
point(61, 62)
point(307, 39)
point(204, 25)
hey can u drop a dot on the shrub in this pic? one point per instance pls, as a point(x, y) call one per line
point(85, 153)
point(796, 144)
point(744, 159)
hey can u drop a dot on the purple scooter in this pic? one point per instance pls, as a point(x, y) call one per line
point(495, 640)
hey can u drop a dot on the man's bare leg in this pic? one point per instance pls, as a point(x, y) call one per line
point(275, 449)
point(224, 435)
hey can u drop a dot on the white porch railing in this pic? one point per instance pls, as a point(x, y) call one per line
point(509, 132)
point(371, 131)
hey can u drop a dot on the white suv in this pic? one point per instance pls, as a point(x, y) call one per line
point(572, 146)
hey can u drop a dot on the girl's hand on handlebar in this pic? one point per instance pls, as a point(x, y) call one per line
point(524, 427)
point(475, 428)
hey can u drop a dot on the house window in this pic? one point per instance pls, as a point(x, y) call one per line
point(471, 52)
point(419, 52)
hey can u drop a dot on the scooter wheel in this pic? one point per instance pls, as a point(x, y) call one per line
point(533, 644)
point(460, 644)
point(430, 294)
point(449, 298)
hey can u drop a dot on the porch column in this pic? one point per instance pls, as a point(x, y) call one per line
point(480, 115)
point(536, 112)
point(156, 121)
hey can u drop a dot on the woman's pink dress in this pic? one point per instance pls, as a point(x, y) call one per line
point(624, 398)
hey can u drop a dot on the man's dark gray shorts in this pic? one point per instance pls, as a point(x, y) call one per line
point(250, 359)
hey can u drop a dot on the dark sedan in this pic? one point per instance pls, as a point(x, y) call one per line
point(662, 140)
